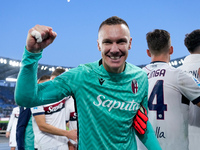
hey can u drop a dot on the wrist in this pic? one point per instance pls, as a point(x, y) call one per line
point(31, 50)
point(66, 133)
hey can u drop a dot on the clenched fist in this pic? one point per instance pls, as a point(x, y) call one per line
point(39, 37)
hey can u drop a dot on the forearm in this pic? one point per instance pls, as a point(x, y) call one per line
point(53, 130)
point(149, 138)
point(27, 92)
point(10, 123)
point(26, 86)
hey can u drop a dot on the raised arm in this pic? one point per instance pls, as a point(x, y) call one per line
point(27, 91)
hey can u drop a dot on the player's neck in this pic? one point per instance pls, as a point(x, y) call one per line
point(163, 58)
point(197, 51)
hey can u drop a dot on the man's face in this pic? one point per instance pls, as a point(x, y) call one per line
point(114, 41)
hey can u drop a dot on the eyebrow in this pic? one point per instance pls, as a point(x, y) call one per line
point(122, 40)
point(107, 40)
point(118, 41)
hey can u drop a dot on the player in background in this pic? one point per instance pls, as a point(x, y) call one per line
point(49, 123)
point(24, 134)
point(24, 122)
point(71, 120)
point(192, 65)
point(43, 78)
point(168, 89)
point(108, 92)
point(11, 128)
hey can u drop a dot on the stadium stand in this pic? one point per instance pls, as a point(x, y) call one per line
point(6, 100)
point(9, 69)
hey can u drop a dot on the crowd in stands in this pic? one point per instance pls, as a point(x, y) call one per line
point(6, 101)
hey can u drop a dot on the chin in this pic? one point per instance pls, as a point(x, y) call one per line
point(115, 66)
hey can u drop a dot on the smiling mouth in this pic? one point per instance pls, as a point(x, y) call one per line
point(114, 57)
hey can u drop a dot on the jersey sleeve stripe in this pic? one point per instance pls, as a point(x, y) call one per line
point(40, 113)
point(197, 100)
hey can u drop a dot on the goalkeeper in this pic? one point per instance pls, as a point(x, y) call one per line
point(108, 92)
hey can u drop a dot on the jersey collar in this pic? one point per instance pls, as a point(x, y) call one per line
point(153, 62)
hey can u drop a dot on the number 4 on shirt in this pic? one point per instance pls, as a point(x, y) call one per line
point(159, 107)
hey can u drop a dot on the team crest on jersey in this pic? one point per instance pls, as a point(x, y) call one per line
point(134, 86)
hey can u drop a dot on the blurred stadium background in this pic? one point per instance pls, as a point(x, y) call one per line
point(9, 69)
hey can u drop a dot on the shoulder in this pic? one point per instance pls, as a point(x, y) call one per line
point(186, 79)
point(159, 66)
point(137, 73)
point(82, 68)
point(16, 109)
point(37, 108)
point(130, 68)
point(89, 65)
point(69, 99)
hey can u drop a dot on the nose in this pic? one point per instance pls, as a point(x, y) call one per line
point(114, 48)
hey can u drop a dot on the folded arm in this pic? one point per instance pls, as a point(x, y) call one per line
point(45, 127)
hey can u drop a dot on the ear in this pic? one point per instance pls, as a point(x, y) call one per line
point(98, 45)
point(130, 42)
point(171, 50)
point(148, 53)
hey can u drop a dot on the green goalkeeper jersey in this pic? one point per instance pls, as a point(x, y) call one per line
point(106, 102)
